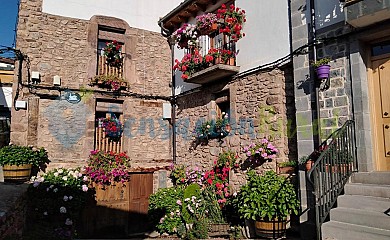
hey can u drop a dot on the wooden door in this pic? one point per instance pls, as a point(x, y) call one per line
point(141, 186)
point(381, 90)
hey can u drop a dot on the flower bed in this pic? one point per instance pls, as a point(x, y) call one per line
point(55, 201)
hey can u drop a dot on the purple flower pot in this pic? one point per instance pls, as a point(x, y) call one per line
point(323, 71)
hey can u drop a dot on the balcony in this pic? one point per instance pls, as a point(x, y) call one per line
point(362, 13)
point(219, 59)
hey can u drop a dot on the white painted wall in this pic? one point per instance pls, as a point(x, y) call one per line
point(266, 30)
point(143, 14)
point(328, 12)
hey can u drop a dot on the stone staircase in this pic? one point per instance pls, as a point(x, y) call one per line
point(363, 212)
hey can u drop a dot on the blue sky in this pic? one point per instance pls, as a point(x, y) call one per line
point(9, 11)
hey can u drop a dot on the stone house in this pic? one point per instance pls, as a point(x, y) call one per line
point(59, 108)
point(355, 36)
point(258, 99)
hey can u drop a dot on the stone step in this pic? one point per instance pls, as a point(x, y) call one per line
point(361, 217)
point(371, 178)
point(372, 190)
point(345, 231)
point(368, 203)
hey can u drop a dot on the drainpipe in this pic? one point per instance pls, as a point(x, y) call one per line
point(313, 56)
point(166, 33)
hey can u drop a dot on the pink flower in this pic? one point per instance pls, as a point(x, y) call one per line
point(178, 202)
point(84, 188)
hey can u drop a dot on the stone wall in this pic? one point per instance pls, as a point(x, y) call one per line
point(67, 47)
point(260, 106)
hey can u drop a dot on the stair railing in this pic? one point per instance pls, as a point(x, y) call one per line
point(332, 170)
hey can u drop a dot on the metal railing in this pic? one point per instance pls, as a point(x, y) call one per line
point(332, 170)
point(214, 41)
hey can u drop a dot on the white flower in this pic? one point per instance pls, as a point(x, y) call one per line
point(60, 171)
point(208, 126)
point(65, 178)
point(70, 197)
point(45, 213)
point(33, 178)
point(186, 200)
point(85, 178)
point(47, 189)
point(68, 222)
point(51, 186)
point(66, 198)
point(84, 188)
point(56, 174)
point(234, 194)
point(62, 210)
point(55, 190)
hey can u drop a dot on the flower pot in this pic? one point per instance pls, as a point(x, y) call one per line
point(214, 26)
point(270, 229)
point(218, 60)
point(309, 164)
point(286, 170)
point(231, 61)
point(17, 173)
point(323, 71)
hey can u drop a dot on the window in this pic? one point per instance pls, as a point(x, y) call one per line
point(222, 104)
point(380, 49)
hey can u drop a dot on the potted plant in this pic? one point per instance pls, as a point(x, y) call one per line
point(261, 151)
point(113, 128)
point(308, 162)
point(232, 19)
point(228, 56)
point(186, 36)
point(268, 200)
point(190, 63)
point(109, 81)
point(108, 168)
point(113, 55)
point(287, 167)
point(322, 68)
point(17, 161)
point(213, 129)
point(206, 23)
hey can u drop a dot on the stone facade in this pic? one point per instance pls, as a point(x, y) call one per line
point(56, 45)
point(260, 106)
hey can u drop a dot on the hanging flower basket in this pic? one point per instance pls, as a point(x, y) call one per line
point(112, 51)
point(113, 128)
point(213, 129)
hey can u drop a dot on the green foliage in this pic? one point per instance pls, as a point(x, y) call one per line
point(266, 197)
point(303, 160)
point(178, 175)
point(192, 190)
point(56, 199)
point(165, 209)
point(290, 163)
point(18, 155)
point(200, 229)
point(320, 62)
point(211, 207)
point(227, 159)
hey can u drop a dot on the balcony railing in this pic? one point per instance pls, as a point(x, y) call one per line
point(222, 66)
point(362, 13)
point(105, 69)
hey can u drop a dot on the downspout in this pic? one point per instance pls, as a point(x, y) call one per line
point(313, 56)
point(167, 34)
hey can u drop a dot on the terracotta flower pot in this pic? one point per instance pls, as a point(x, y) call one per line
point(309, 164)
point(286, 170)
point(231, 61)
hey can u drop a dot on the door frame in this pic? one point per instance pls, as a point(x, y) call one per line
point(373, 107)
